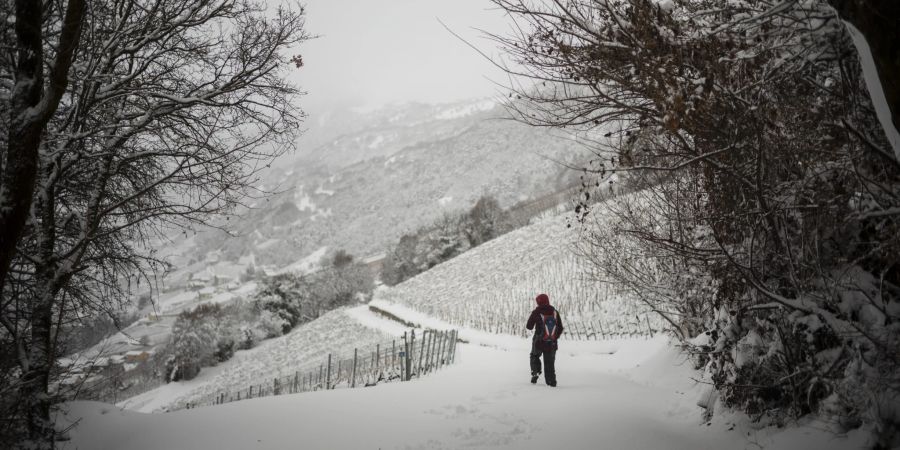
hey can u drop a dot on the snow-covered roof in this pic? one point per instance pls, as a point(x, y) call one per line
point(374, 258)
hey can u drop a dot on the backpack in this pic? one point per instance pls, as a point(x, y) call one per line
point(551, 332)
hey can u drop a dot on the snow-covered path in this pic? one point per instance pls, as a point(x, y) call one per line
point(641, 397)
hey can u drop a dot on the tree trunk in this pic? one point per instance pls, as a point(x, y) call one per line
point(30, 107)
point(20, 167)
point(36, 381)
point(879, 22)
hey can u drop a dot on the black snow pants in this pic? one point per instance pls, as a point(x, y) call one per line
point(537, 349)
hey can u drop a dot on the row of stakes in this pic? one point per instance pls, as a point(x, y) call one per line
point(411, 358)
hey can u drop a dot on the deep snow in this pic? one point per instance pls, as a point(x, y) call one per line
point(640, 397)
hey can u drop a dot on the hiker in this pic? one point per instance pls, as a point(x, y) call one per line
point(547, 326)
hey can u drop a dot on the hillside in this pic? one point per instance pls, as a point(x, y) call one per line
point(639, 397)
point(615, 391)
point(367, 177)
point(404, 168)
point(487, 286)
point(304, 348)
point(492, 287)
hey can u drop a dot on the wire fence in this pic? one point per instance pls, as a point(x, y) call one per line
point(402, 359)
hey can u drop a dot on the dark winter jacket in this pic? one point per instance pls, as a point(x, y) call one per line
point(535, 323)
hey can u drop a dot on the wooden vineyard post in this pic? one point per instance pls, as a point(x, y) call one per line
point(440, 352)
point(250, 393)
point(450, 345)
point(443, 348)
point(405, 361)
point(402, 362)
point(353, 373)
point(393, 355)
point(648, 325)
point(445, 353)
point(436, 353)
point(422, 352)
point(425, 354)
point(430, 361)
point(412, 349)
point(453, 353)
point(401, 358)
point(328, 374)
point(453, 348)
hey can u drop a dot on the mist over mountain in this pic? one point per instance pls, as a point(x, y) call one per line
point(367, 176)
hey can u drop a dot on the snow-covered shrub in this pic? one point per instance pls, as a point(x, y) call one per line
point(771, 224)
point(279, 300)
point(194, 342)
point(485, 221)
point(340, 282)
point(444, 239)
point(270, 324)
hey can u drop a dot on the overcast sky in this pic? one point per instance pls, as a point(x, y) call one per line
point(372, 52)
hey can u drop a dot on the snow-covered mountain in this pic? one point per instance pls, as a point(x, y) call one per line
point(364, 178)
point(393, 170)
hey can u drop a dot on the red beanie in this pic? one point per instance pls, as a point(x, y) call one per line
point(542, 299)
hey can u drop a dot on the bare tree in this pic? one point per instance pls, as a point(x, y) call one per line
point(171, 109)
point(32, 99)
point(771, 179)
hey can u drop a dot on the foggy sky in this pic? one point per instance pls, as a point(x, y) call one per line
point(372, 52)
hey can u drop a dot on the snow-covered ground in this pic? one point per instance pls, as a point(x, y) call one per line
point(640, 397)
point(614, 393)
point(304, 348)
point(492, 287)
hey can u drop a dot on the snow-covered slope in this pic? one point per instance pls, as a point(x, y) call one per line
point(304, 348)
point(401, 168)
point(492, 287)
point(618, 394)
point(641, 397)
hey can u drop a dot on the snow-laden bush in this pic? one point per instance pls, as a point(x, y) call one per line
point(769, 224)
point(211, 333)
point(444, 239)
point(194, 342)
point(279, 300)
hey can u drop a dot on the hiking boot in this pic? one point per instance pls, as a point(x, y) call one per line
point(534, 378)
